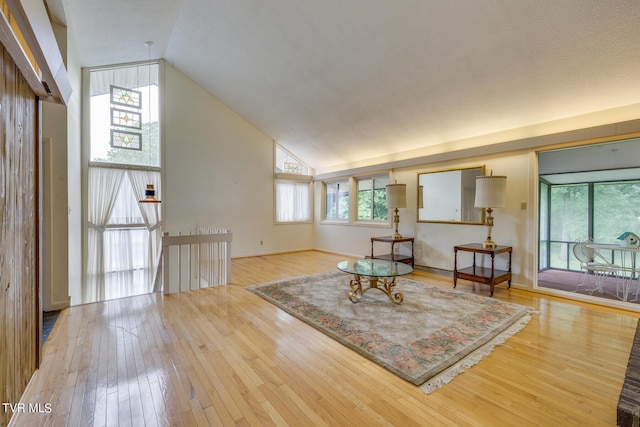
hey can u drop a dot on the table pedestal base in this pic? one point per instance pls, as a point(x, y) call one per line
point(387, 288)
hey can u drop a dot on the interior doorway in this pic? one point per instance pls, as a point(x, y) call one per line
point(589, 194)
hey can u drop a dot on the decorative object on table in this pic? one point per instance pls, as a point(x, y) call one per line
point(491, 192)
point(396, 198)
point(150, 194)
point(434, 335)
point(374, 274)
point(629, 239)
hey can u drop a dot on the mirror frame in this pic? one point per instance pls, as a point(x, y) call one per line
point(419, 188)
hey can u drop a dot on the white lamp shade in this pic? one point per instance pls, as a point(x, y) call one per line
point(491, 191)
point(397, 196)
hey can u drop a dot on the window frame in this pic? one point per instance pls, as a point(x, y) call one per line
point(356, 212)
point(352, 217)
point(87, 113)
point(305, 175)
point(325, 195)
point(298, 179)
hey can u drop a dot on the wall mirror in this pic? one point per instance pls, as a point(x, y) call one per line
point(449, 195)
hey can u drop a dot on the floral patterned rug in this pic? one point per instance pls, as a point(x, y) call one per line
point(430, 338)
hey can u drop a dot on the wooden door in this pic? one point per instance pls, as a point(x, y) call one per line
point(19, 259)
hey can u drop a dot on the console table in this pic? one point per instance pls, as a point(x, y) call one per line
point(488, 276)
point(393, 256)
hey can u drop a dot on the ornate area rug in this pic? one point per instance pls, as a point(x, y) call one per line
point(431, 337)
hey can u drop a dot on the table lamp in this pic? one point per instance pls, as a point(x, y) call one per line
point(491, 192)
point(396, 198)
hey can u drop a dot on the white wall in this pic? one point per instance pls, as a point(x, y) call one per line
point(74, 171)
point(514, 226)
point(434, 242)
point(61, 167)
point(218, 170)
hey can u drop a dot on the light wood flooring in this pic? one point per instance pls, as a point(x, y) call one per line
point(223, 356)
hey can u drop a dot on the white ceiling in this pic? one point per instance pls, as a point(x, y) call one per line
point(339, 81)
point(612, 161)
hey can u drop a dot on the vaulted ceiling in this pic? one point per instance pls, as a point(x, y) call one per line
point(337, 82)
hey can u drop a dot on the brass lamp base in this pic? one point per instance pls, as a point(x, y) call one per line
point(396, 221)
point(489, 244)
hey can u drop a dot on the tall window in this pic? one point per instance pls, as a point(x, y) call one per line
point(337, 200)
point(124, 143)
point(372, 198)
point(292, 188)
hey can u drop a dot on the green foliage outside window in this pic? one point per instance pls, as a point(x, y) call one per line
point(569, 212)
point(148, 155)
point(372, 199)
point(615, 209)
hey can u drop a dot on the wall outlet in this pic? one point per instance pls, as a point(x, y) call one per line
point(523, 206)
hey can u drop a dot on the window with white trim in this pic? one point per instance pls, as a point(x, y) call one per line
point(372, 198)
point(124, 115)
point(293, 201)
point(292, 188)
point(336, 200)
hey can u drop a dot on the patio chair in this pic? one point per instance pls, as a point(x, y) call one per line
point(593, 264)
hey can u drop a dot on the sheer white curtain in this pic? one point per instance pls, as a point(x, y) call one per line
point(292, 201)
point(119, 263)
point(126, 247)
point(151, 217)
point(104, 185)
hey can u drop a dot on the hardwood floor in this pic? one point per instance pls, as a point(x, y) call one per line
point(224, 356)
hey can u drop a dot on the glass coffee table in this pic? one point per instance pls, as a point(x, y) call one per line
point(377, 274)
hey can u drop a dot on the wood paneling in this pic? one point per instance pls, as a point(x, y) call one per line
point(223, 356)
point(19, 302)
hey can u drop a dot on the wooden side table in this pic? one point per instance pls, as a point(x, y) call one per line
point(488, 276)
point(393, 256)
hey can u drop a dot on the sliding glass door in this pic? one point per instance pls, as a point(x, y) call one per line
point(585, 193)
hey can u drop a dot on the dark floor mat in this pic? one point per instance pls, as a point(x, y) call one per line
point(48, 320)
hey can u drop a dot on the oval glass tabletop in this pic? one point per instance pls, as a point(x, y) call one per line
point(375, 268)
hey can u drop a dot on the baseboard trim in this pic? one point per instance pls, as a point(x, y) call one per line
point(434, 270)
point(58, 305)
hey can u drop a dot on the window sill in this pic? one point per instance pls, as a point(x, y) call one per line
point(358, 224)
